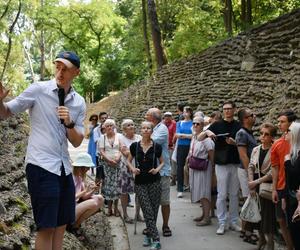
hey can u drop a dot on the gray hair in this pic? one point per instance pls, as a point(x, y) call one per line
point(125, 122)
point(109, 122)
point(147, 123)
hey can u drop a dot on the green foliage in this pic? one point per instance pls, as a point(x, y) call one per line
point(108, 36)
point(22, 205)
point(196, 30)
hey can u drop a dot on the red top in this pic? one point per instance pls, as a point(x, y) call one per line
point(279, 150)
point(172, 130)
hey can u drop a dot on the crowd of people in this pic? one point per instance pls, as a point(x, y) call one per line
point(232, 165)
point(217, 158)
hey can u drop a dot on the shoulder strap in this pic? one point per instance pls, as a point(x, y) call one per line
point(154, 153)
point(136, 160)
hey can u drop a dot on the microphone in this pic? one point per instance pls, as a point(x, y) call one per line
point(61, 99)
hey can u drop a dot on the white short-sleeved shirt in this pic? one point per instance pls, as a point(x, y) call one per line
point(48, 142)
point(201, 148)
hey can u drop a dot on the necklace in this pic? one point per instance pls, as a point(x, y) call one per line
point(145, 147)
point(111, 141)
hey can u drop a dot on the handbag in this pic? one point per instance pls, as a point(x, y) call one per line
point(251, 209)
point(197, 163)
point(265, 188)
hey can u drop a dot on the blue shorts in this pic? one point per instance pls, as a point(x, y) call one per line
point(52, 197)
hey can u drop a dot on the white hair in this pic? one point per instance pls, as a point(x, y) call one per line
point(125, 122)
point(295, 140)
point(109, 122)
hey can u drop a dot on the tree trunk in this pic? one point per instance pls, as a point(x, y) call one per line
point(243, 14)
point(42, 50)
point(29, 62)
point(228, 16)
point(249, 13)
point(146, 38)
point(10, 32)
point(156, 35)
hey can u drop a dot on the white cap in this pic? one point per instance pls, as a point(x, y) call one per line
point(83, 160)
point(168, 113)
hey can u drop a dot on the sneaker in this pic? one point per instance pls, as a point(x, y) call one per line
point(155, 245)
point(204, 222)
point(221, 229)
point(235, 227)
point(147, 241)
point(179, 195)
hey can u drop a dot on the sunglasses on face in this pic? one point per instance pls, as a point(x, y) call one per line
point(94, 119)
point(196, 123)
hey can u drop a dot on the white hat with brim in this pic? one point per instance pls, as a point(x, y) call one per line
point(83, 160)
point(65, 62)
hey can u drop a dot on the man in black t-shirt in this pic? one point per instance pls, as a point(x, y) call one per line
point(226, 162)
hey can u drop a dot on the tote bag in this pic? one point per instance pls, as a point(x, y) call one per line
point(251, 209)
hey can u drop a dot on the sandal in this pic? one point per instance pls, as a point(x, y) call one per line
point(198, 219)
point(166, 231)
point(128, 220)
point(242, 234)
point(204, 222)
point(252, 239)
point(145, 231)
point(117, 213)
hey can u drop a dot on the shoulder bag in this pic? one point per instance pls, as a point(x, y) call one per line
point(197, 163)
point(265, 188)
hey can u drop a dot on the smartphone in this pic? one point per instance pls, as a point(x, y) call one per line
point(223, 135)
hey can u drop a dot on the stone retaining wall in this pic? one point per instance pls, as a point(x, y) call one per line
point(17, 230)
point(259, 69)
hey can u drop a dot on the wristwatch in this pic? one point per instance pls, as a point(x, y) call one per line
point(70, 125)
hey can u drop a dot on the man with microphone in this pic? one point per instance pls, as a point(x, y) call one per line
point(56, 114)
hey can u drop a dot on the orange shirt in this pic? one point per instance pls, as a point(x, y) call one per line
point(279, 150)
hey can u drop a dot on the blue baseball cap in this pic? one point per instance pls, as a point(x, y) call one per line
point(69, 58)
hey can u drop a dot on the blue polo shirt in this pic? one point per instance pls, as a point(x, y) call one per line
point(48, 142)
point(160, 135)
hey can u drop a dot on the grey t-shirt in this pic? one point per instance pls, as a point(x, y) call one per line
point(245, 138)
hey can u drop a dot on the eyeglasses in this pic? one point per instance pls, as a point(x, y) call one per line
point(196, 123)
point(264, 134)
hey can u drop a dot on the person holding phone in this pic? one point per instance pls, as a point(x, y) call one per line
point(227, 162)
point(87, 203)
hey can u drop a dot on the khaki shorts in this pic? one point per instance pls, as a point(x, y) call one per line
point(165, 190)
point(243, 178)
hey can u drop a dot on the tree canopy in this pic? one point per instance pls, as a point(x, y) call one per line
point(119, 41)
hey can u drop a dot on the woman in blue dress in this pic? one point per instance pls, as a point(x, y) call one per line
point(90, 135)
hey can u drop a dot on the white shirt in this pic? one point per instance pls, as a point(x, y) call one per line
point(48, 143)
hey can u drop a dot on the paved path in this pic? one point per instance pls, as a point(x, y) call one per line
point(187, 236)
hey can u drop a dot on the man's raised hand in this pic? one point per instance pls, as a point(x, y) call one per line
point(3, 92)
